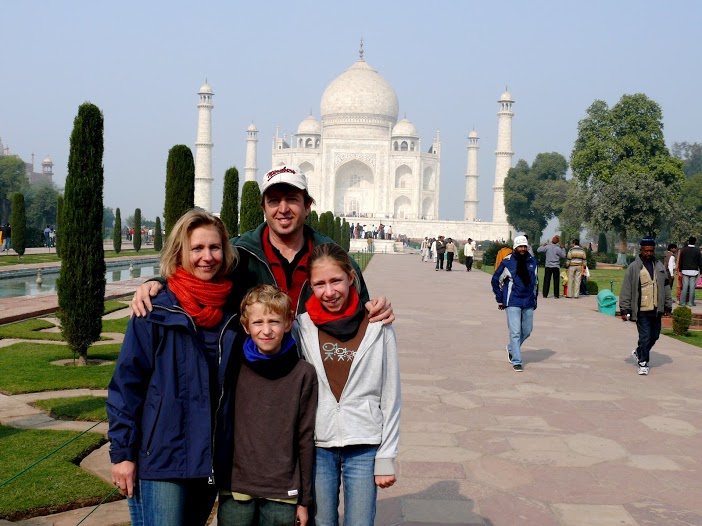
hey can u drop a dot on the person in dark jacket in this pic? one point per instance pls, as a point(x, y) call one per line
point(689, 266)
point(516, 287)
point(645, 298)
point(163, 398)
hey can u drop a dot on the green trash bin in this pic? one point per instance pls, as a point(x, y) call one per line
point(607, 302)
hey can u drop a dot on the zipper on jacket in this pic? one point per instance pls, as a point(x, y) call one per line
point(211, 478)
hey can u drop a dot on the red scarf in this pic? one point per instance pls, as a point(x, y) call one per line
point(319, 316)
point(202, 300)
point(299, 274)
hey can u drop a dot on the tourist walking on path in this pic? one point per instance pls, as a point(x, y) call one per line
point(424, 248)
point(7, 236)
point(516, 287)
point(358, 414)
point(644, 298)
point(689, 266)
point(669, 262)
point(554, 254)
point(574, 265)
point(440, 251)
point(469, 254)
point(164, 393)
point(451, 253)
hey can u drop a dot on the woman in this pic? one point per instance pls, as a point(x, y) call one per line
point(358, 414)
point(164, 393)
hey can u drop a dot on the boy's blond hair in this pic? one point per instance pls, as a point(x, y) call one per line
point(272, 298)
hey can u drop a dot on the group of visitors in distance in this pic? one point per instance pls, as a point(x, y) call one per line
point(276, 418)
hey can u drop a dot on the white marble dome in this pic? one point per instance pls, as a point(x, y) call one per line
point(310, 126)
point(473, 134)
point(47, 160)
point(252, 127)
point(506, 97)
point(360, 90)
point(404, 128)
point(205, 88)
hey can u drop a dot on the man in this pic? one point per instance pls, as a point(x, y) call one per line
point(469, 253)
point(554, 254)
point(451, 252)
point(277, 251)
point(689, 266)
point(516, 287)
point(669, 262)
point(440, 251)
point(644, 298)
point(7, 235)
point(574, 264)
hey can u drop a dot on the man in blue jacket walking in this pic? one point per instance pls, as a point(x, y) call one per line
point(516, 287)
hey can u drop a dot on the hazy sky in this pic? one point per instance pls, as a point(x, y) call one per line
point(269, 62)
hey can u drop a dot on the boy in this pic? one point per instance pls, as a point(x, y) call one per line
point(275, 402)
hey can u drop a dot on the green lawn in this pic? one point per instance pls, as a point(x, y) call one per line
point(30, 330)
point(85, 408)
point(8, 260)
point(114, 305)
point(692, 337)
point(119, 325)
point(56, 484)
point(25, 368)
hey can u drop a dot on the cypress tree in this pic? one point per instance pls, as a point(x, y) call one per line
point(313, 220)
point(158, 236)
point(326, 224)
point(18, 223)
point(117, 232)
point(230, 201)
point(602, 243)
point(81, 283)
point(345, 235)
point(137, 230)
point(251, 212)
point(337, 230)
point(59, 225)
point(180, 185)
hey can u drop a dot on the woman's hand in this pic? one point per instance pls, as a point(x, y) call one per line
point(385, 481)
point(380, 309)
point(124, 476)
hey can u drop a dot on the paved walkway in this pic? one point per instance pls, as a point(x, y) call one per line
point(577, 439)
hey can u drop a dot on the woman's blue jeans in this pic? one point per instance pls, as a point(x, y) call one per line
point(354, 467)
point(183, 502)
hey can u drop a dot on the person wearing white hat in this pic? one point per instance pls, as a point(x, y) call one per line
point(516, 287)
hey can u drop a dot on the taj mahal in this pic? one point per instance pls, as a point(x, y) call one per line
point(364, 164)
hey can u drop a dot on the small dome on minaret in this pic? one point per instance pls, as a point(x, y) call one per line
point(252, 127)
point(47, 160)
point(473, 134)
point(506, 96)
point(205, 88)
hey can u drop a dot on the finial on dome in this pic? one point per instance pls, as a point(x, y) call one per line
point(360, 51)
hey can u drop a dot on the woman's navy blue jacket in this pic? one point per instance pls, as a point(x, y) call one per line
point(158, 401)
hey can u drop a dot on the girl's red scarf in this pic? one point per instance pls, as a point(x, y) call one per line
point(202, 300)
point(342, 325)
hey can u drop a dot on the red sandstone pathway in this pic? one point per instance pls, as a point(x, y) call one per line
point(577, 439)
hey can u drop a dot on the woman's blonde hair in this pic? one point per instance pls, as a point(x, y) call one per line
point(271, 297)
point(337, 255)
point(179, 241)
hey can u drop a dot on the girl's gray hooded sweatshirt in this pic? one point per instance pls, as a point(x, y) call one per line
point(368, 411)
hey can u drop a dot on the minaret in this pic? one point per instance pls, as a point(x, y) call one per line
point(504, 155)
point(251, 139)
point(203, 149)
point(470, 212)
point(47, 169)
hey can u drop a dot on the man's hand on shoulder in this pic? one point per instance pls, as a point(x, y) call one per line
point(141, 302)
point(380, 309)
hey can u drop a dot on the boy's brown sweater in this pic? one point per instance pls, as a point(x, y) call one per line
point(275, 407)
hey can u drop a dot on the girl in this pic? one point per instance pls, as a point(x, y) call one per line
point(163, 396)
point(358, 414)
